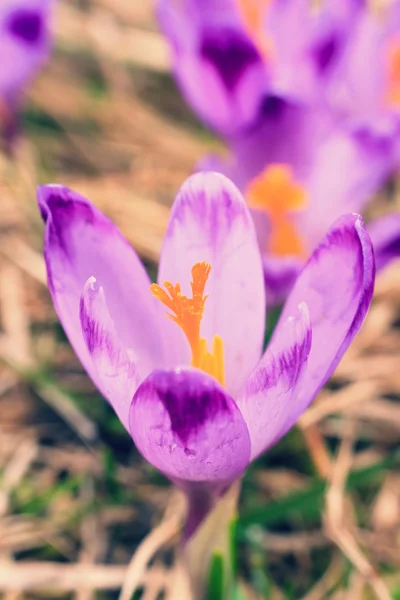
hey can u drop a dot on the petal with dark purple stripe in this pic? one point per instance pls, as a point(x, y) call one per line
point(336, 284)
point(210, 222)
point(80, 242)
point(217, 66)
point(188, 427)
point(113, 371)
point(230, 53)
point(267, 400)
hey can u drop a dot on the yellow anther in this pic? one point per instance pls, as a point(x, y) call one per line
point(187, 314)
point(276, 193)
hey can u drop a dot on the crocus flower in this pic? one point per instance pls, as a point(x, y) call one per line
point(181, 361)
point(229, 55)
point(25, 46)
point(299, 172)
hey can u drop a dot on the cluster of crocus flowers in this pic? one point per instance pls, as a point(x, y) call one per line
point(24, 48)
point(182, 361)
point(310, 114)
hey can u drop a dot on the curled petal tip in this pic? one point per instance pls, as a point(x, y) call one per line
point(49, 194)
point(92, 285)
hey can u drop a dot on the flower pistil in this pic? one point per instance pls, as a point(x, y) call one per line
point(276, 193)
point(187, 314)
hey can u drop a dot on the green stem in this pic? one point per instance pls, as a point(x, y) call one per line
point(208, 553)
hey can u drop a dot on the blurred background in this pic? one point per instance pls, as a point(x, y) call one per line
point(318, 519)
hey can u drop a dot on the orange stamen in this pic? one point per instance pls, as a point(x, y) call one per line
point(187, 314)
point(393, 70)
point(253, 13)
point(275, 192)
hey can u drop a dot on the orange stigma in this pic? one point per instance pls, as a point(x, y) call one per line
point(393, 70)
point(187, 314)
point(253, 13)
point(276, 192)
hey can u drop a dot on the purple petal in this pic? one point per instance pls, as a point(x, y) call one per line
point(385, 236)
point(336, 285)
point(80, 242)
point(185, 425)
point(210, 222)
point(359, 92)
point(230, 53)
point(364, 163)
point(308, 43)
point(266, 402)
point(25, 43)
point(216, 64)
point(112, 370)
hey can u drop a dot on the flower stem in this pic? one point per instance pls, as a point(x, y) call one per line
point(208, 552)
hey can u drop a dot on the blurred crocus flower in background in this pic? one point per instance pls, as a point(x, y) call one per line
point(310, 113)
point(181, 361)
point(228, 56)
point(24, 48)
point(299, 172)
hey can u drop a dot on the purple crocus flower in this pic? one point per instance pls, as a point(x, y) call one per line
point(229, 55)
point(194, 390)
point(299, 172)
point(25, 46)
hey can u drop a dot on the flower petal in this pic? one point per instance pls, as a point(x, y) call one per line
point(336, 285)
point(360, 94)
point(216, 64)
point(210, 222)
point(80, 242)
point(364, 162)
point(308, 43)
point(385, 236)
point(112, 370)
point(266, 402)
point(185, 425)
point(25, 42)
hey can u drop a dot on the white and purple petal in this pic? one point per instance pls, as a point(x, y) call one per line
point(308, 43)
point(210, 222)
point(364, 161)
point(80, 242)
point(359, 94)
point(187, 426)
point(268, 397)
point(337, 285)
point(112, 370)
